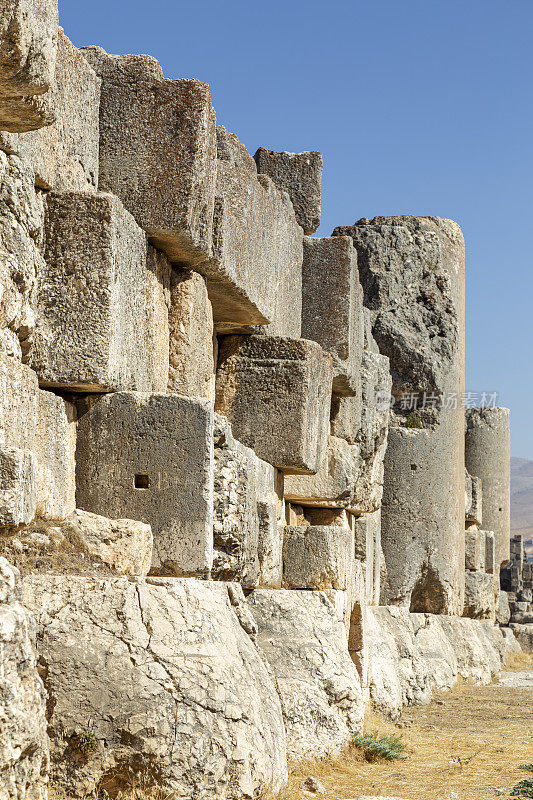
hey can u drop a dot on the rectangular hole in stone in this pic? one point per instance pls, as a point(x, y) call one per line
point(142, 481)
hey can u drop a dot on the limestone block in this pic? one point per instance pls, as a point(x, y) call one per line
point(192, 365)
point(28, 43)
point(24, 745)
point(487, 454)
point(158, 151)
point(317, 557)
point(276, 393)
point(150, 457)
point(473, 500)
point(474, 549)
point(489, 551)
point(81, 544)
point(174, 688)
point(248, 536)
point(55, 445)
point(21, 220)
point(334, 483)
point(332, 306)
point(18, 404)
point(367, 535)
point(64, 154)
point(300, 175)
point(102, 304)
point(479, 595)
point(524, 636)
point(357, 627)
point(255, 276)
point(320, 690)
point(18, 486)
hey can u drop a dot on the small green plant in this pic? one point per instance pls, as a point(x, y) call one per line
point(85, 743)
point(529, 767)
point(412, 421)
point(524, 788)
point(391, 748)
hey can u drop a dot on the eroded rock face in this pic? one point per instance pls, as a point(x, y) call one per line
point(28, 42)
point(300, 175)
point(170, 687)
point(24, 743)
point(318, 683)
point(479, 595)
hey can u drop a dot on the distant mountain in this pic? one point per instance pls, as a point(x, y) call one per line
point(522, 500)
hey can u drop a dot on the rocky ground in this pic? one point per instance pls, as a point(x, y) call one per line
point(467, 744)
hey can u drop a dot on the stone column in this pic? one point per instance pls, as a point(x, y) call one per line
point(487, 455)
point(412, 272)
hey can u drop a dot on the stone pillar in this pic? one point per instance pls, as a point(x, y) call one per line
point(412, 272)
point(487, 455)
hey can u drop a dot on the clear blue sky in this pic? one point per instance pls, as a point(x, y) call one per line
point(418, 107)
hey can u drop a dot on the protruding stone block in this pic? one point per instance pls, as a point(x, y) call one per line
point(490, 561)
point(503, 612)
point(150, 457)
point(317, 557)
point(247, 506)
point(18, 404)
point(256, 275)
point(332, 307)
point(55, 445)
point(300, 175)
point(367, 534)
point(412, 272)
point(191, 360)
point(487, 455)
point(158, 151)
point(18, 487)
point(479, 595)
point(21, 221)
point(334, 484)
point(318, 683)
point(64, 154)
point(28, 42)
point(276, 393)
point(102, 303)
point(474, 549)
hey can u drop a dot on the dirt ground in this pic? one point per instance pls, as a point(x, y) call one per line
point(468, 744)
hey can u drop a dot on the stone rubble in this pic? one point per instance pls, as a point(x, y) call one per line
point(200, 401)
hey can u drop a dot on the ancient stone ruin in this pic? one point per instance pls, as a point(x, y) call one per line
point(225, 533)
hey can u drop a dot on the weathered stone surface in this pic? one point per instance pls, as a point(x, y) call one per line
point(21, 220)
point(18, 404)
point(55, 445)
point(413, 655)
point(367, 537)
point(300, 175)
point(102, 304)
point(150, 457)
point(474, 548)
point(167, 680)
point(317, 681)
point(158, 151)
point(191, 359)
point(335, 482)
point(490, 559)
point(64, 154)
point(256, 274)
point(18, 487)
point(473, 499)
point(290, 382)
point(479, 595)
point(364, 422)
point(82, 544)
point(524, 636)
point(247, 514)
point(412, 273)
point(317, 557)
point(24, 743)
point(487, 454)
point(332, 307)
point(28, 43)
point(503, 612)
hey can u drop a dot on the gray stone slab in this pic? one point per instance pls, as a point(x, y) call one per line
point(276, 393)
point(317, 557)
point(150, 458)
point(300, 175)
point(18, 487)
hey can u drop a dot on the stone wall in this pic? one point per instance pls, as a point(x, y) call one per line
point(200, 400)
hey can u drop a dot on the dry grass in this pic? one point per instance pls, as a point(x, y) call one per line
point(472, 745)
